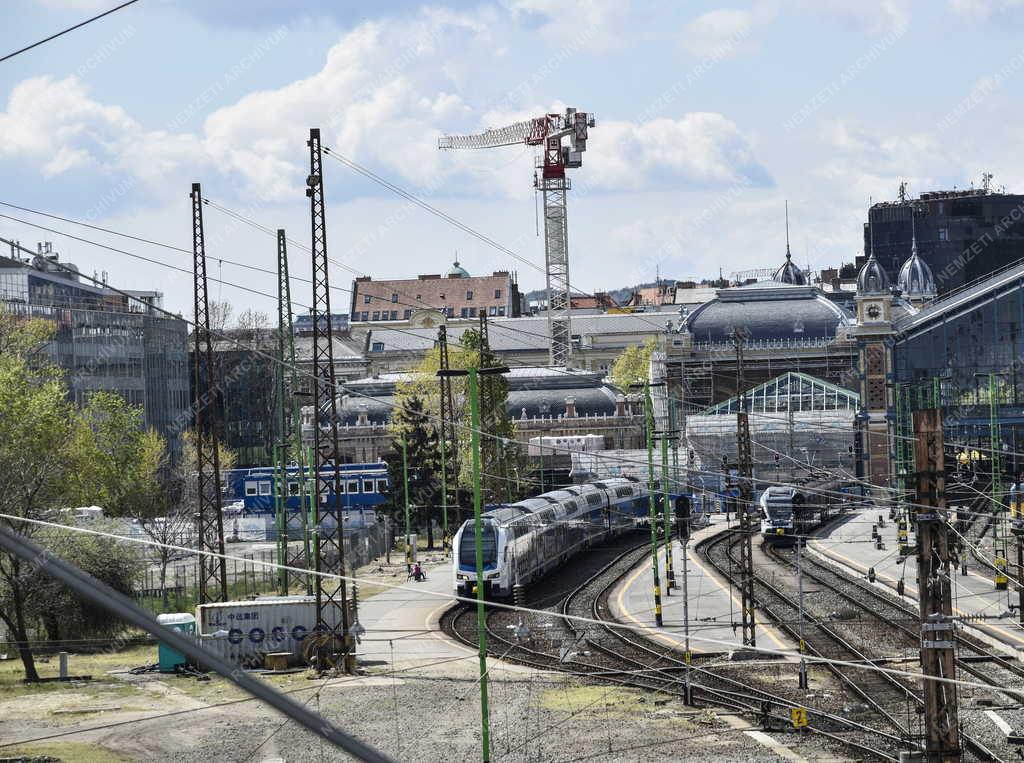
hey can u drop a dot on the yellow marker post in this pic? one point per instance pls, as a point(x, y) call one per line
point(798, 717)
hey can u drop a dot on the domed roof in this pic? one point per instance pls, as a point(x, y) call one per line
point(457, 271)
point(790, 273)
point(872, 278)
point(915, 276)
point(769, 311)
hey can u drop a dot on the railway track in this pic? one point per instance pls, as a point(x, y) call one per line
point(887, 627)
point(601, 652)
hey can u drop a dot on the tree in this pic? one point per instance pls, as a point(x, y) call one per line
point(500, 461)
point(632, 365)
point(169, 519)
point(54, 456)
point(41, 451)
point(411, 424)
point(220, 315)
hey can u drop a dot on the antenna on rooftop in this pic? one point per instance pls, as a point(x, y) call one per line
point(787, 227)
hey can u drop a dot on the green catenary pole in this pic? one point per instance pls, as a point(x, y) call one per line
point(670, 577)
point(444, 492)
point(652, 510)
point(408, 527)
point(474, 413)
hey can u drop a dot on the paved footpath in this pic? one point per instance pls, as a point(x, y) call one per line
point(849, 544)
point(714, 604)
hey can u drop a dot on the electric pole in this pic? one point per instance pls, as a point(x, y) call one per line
point(651, 503)
point(408, 523)
point(449, 432)
point(213, 575)
point(670, 577)
point(473, 375)
point(289, 424)
point(938, 659)
point(746, 497)
point(331, 595)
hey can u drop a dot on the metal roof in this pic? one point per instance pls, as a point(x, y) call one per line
point(791, 391)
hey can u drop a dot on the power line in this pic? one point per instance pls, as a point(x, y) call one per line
point(69, 29)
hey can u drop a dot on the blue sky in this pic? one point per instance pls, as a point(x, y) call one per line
point(709, 116)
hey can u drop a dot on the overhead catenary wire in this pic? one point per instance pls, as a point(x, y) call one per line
point(63, 32)
point(496, 605)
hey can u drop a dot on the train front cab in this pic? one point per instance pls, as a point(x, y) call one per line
point(465, 570)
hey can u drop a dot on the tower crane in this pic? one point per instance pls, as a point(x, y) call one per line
point(547, 131)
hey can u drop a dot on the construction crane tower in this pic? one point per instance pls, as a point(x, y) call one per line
point(547, 131)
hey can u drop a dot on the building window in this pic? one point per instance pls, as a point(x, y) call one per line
point(493, 310)
point(376, 315)
point(394, 315)
point(355, 315)
point(394, 297)
point(264, 488)
point(442, 295)
point(250, 488)
point(407, 314)
point(943, 234)
point(497, 293)
point(472, 312)
point(501, 310)
point(366, 299)
point(465, 312)
point(365, 316)
point(377, 347)
point(384, 315)
point(469, 295)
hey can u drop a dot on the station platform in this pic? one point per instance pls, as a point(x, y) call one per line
point(714, 605)
point(402, 624)
point(848, 543)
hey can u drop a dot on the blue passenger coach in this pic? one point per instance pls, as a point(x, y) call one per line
point(364, 486)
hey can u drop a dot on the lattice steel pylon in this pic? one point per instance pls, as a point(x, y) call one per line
point(288, 447)
point(745, 472)
point(449, 430)
point(335, 644)
point(213, 578)
point(547, 131)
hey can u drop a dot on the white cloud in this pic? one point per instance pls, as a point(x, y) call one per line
point(718, 34)
point(596, 25)
point(56, 123)
point(878, 18)
point(697, 150)
point(987, 9)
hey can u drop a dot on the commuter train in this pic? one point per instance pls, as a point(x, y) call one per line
point(792, 510)
point(524, 541)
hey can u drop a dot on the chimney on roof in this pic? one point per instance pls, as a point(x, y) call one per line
point(570, 407)
point(363, 419)
point(620, 405)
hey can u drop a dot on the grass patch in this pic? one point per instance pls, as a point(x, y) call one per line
point(614, 700)
point(96, 665)
point(80, 752)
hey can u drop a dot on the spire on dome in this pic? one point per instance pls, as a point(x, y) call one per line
point(789, 273)
point(915, 279)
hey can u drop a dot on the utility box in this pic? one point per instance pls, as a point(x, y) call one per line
point(170, 658)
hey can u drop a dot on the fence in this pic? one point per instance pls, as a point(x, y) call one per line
point(249, 573)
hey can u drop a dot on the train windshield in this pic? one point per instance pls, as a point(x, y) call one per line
point(467, 548)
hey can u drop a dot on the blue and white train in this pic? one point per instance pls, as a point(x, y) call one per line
point(793, 510)
point(523, 541)
point(363, 487)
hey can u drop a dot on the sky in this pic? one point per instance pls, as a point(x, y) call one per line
point(709, 117)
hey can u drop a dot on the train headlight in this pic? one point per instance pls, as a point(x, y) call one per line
point(460, 576)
